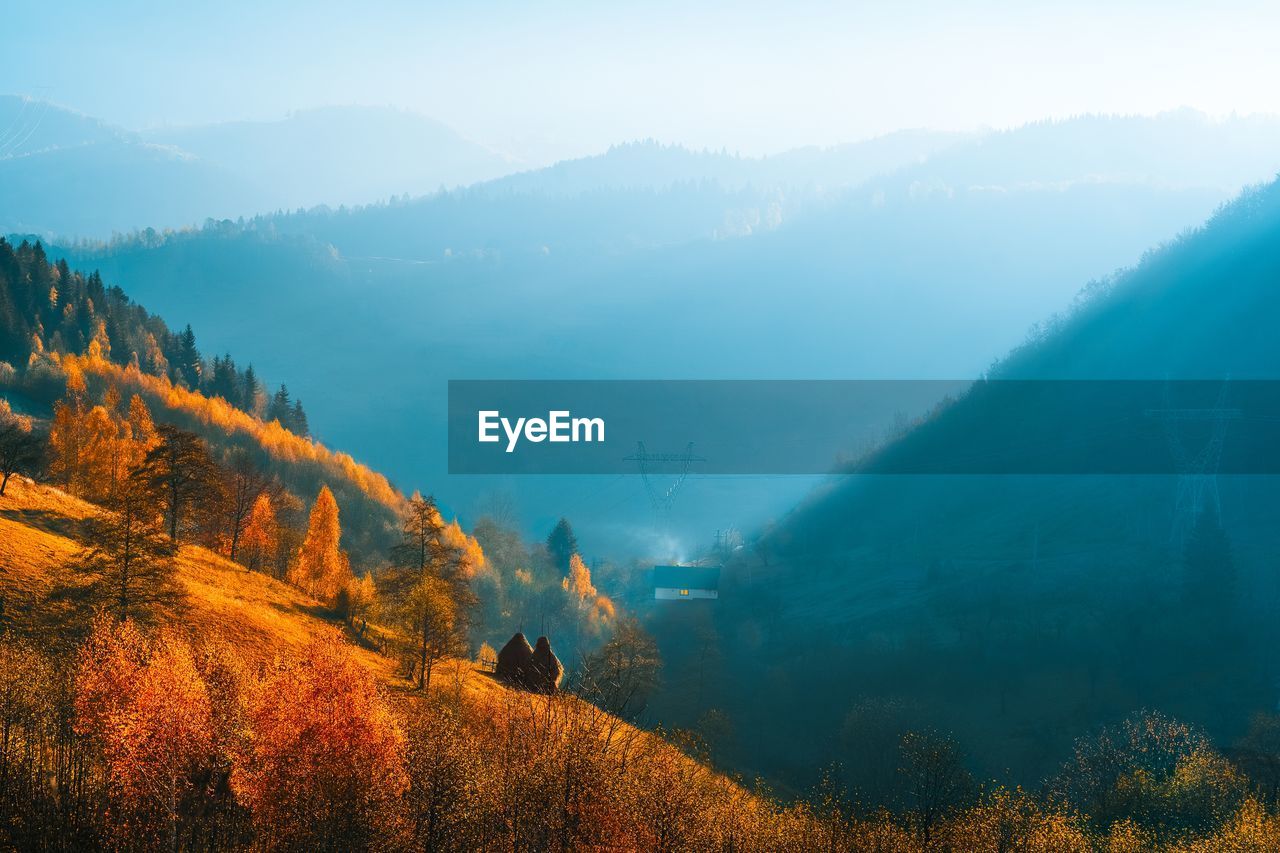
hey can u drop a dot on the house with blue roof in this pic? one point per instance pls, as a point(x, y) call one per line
point(682, 583)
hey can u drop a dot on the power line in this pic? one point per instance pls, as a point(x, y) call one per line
point(645, 461)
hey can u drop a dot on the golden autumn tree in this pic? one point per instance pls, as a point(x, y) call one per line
point(227, 680)
point(427, 587)
point(142, 431)
point(261, 534)
point(82, 446)
point(578, 582)
point(93, 448)
point(589, 609)
point(146, 710)
point(321, 567)
point(107, 665)
point(155, 750)
point(101, 455)
point(466, 550)
point(325, 768)
point(66, 434)
point(432, 611)
point(64, 444)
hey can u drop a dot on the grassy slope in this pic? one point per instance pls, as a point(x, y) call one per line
point(260, 617)
point(257, 615)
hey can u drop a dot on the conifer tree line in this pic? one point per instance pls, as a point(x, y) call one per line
point(46, 306)
point(50, 316)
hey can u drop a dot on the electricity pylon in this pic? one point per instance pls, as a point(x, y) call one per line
point(645, 460)
point(1197, 472)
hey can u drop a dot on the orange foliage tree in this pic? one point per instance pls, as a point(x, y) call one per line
point(83, 452)
point(215, 411)
point(93, 448)
point(321, 567)
point(588, 607)
point(326, 759)
point(428, 588)
point(146, 709)
point(261, 534)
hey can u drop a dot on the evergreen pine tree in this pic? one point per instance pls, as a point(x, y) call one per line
point(298, 420)
point(280, 408)
point(562, 545)
point(187, 361)
point(181, 473)
point(249, 388)
point(129, 559)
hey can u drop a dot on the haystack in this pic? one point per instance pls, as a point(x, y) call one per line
point(545, 668)
point(515, 661)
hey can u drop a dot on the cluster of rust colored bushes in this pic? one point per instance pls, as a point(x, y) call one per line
point(147, 740)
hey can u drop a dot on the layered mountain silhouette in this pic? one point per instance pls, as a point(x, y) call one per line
point(174, 177)
point(932, 270)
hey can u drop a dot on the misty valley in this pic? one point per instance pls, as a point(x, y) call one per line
point(263, 587)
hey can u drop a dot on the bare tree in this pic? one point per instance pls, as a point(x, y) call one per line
point(243, 482)
point(937, 782)
point(21, 448)
point(622, 675)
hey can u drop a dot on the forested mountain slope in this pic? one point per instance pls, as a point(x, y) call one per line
point(1017, 610)
point(59, 326)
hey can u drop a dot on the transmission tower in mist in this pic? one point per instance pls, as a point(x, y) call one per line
point(1197, 490)
point(652, 465)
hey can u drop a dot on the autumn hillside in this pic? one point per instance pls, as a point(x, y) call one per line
point(40, 529)
point(58, 325)
point(267, 623)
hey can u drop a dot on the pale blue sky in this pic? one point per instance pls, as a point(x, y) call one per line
point(577, 76)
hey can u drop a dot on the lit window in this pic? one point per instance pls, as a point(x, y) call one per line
point(684, 592)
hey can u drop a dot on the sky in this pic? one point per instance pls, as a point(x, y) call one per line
point(544, 80)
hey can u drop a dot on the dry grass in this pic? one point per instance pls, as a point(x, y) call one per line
point(262, 618)
point(259, 616)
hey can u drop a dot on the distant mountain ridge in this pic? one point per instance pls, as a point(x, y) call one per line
point(29, 126)
point(349, 157)
point(340, 155)
point(650, 164)
point(176, 177)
